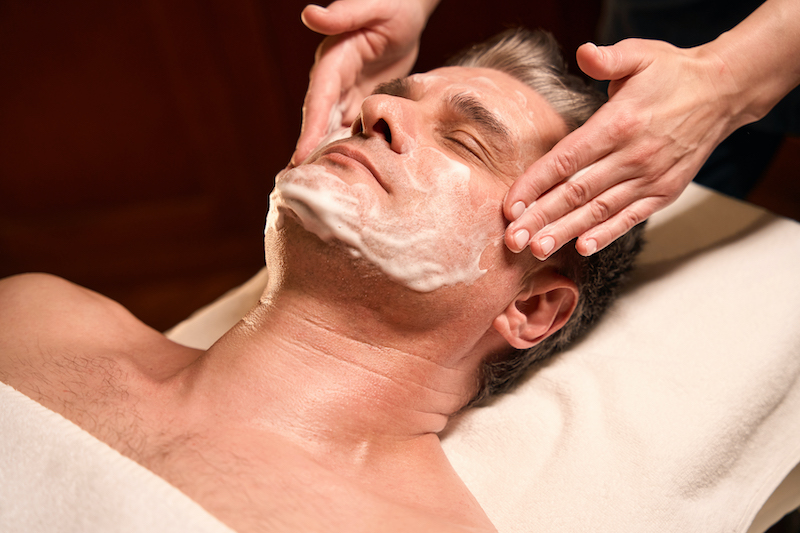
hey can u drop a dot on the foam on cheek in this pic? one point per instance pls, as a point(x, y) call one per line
point(436, 237)
point(428, 234)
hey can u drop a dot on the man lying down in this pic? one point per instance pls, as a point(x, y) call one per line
point(392, 304)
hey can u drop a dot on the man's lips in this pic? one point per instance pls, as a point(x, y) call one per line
point(346, 155)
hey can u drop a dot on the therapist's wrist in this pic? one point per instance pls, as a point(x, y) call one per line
point(760, 54)
point(739, 98)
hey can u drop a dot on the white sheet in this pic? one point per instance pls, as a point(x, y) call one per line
point(680, 412)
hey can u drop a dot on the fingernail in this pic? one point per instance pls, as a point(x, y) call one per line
point(591, 246)
point(521, 239)
point(516, 210)
point(547, 244)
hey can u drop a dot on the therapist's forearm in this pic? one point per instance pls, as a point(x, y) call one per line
point(761, 58)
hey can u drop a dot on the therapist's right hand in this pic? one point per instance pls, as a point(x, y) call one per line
point(369, 42)
point(668, 109)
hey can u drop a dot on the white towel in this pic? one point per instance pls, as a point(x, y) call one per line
point(680, 412)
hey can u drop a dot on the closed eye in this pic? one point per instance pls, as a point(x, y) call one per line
point(465, 142)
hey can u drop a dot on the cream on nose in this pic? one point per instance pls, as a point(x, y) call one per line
point(391, 118)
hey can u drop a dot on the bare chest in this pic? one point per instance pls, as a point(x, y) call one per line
point(262, 484)
point(250, 480)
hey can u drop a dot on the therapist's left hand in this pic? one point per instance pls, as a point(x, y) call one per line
point(668, 109)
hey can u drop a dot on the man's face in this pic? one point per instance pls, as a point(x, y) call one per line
point(417, 188)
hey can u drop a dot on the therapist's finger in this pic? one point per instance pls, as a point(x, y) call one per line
point(322, 96)
point(598, 223)
point(576, 190)
point(615, 227)
point(616, 171)
point(612, 62)
point(574, 152)
point(598, 137)
point(579, 219)
point(341, 16)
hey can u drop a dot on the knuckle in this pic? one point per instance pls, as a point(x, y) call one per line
point(648, 150)
point(564, 164)
point(600, 210)
point(575, 193)
point(629, 219)
point(624, 125)
point(537, 220)
point(672, 189)
point(651, 180)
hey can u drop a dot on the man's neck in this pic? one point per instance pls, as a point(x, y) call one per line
point(293, 371)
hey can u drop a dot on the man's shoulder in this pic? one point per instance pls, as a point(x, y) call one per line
point(50, 324)
point(79, 354)
point(42, 306)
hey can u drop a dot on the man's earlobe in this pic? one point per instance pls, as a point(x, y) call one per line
point(538, 311)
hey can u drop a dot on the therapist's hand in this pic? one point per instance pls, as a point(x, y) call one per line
point(668, 109)
point(370, 42)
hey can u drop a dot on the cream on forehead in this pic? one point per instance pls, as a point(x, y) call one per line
point(426, 235)
point(427, 80)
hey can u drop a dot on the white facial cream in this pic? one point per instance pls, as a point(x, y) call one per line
point(427, 233)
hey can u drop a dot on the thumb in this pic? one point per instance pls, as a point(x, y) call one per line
point(341, 16)
point(610, 62)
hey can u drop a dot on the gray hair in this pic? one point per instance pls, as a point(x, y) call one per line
point(534, 58)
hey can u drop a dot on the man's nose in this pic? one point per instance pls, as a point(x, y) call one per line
point(391, 118)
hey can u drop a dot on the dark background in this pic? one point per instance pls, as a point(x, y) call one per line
point(139, 139)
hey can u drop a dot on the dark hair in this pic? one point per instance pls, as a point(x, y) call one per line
point(534, 58)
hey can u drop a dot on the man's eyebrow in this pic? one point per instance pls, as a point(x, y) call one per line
point(466, 107)
point(399, 87)
point(473, 111)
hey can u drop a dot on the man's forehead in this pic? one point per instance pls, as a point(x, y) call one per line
point(475, 77)
point(490, 83)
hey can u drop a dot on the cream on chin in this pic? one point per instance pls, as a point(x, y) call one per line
point(428, 234)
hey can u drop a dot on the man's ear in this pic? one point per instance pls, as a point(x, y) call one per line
point(538, 311)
